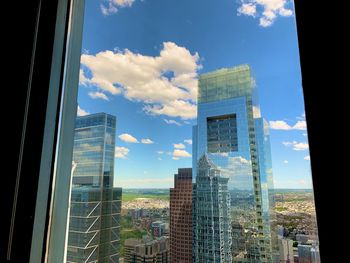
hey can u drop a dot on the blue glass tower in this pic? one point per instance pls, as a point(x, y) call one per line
point(212, 238)
point(95, 205)
point(231, 132)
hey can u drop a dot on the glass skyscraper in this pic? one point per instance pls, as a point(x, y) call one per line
point(231, 132)
point(212, 237)
point(94, 221)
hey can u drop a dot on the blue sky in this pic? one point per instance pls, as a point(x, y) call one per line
point(141, 60)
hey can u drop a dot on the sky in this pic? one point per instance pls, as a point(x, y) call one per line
point(141, 60)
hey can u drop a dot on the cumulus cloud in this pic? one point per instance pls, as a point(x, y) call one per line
point(285, 161)
point(121, 152)
point(172, 122)
point(128, 138)
point(248, 9)
point(181, 153)
point(300, 125)
point(109, 7)
point(266, 10)
point(279, 125)
point(166, 84)
point(239, 170)
point(81, 112)
point(98, 95)
point(82, 79)
point(189, 141)
point(179, 146)
point(282, 125)
point(297, 146)
point(175, 158)
point(307, 158)
point(147, 141)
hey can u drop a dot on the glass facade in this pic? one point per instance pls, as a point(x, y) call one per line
point(212, 237)
point(230, 94)
point(94, 222)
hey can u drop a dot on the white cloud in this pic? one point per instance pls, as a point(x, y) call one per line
point(160, 152)
point(128, 138)
point(172, 122)
point(181, 153)
point(121, 152)
point(285, 161)
point(221, 154)
point(187, 122)
point(282, 125)
point(159, 159)
point(81, 112)
point(239, 170)
point(189, 141)
point(270, 10)
point(175, 158)
point(300, 125)
point(98, 95)
point(147, 141)
point(300, 146)
point(82, 79)
point(166, 84)
point(307, 158)
point(109, 7)
point(248, 9)
point(305, 134)
point(297, 146)
point(279, 125)
point(179, 146)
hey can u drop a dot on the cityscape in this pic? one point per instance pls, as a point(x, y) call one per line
point(222, 209)
point(190, 141)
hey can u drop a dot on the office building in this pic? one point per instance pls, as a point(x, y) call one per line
point(309, 253)
point(286, 250)
point(181, 217)
point(231, 132)
point(95, 204)
point(147, 250)
point(158, 228)
point(212, 237)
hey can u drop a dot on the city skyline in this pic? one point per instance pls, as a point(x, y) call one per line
point(154, 63)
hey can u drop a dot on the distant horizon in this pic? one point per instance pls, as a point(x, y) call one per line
point(172, 187)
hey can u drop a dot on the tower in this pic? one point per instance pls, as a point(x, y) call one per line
point(231, 132)
point(95, 204)
point(181, 217)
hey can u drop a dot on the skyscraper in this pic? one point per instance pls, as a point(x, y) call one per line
point(181, 217)
point(235, 138)
point(95, 204)
point(286, 250)
point(146, 250)
point(212, 237)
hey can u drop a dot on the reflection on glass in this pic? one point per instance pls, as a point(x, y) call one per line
point(94, 222)
point(186, 105)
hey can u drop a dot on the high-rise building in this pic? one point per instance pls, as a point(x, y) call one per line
point(95, 204)
point(146, 250)
point(181, 217)
point(231, 132)
point(212, 237)
point(309, 253)
point(286, 250)
point(158, 228)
